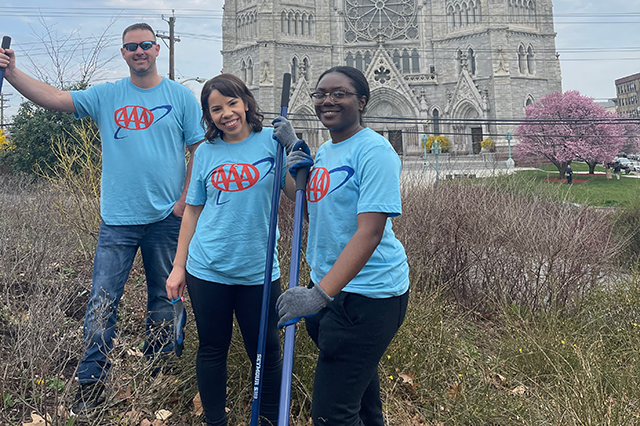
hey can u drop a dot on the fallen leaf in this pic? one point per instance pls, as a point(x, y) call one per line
point(455, 390)
point(157, 422)
point(123, 393)
point(131, 417)
point(497, 380)
point(197, 405)
point(145, 422)
point(37, 420)
point(406, 378)
point(135, 352)
point(520, 390)
point(62, 411)
point(163, 414)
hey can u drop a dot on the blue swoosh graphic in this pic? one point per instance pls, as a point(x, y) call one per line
point(347, 169)
point(166, 107)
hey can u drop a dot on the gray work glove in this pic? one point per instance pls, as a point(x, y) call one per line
point(298, 302)
point(299, 158)
point(283, 132)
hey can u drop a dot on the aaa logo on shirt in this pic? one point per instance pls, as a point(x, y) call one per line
point(136, 117)
point(235, 177)
point(319, 184)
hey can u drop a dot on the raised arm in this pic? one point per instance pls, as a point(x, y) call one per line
point(36, 91)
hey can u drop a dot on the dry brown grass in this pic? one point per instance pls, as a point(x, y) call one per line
point(493, 270)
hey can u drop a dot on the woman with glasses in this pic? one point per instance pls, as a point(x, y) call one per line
point(223, 243)
point(358, 294)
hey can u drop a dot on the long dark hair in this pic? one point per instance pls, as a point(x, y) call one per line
point(231, 86)
point(358, 80)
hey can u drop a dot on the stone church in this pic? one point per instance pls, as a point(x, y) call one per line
point(464, 69)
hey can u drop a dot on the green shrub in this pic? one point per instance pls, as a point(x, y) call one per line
point(627, 227)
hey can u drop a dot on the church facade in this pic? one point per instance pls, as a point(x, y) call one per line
point(464, 69)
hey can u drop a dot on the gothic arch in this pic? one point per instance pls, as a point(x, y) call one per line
point(249, 72)
point(472, 61)
point(531, 54)
point(468, 122)
point(462, 13)
point(304, 117)
point(529, 100)
point(436, 116)
point(386, 102)
point(382, 96)
point(522, 58)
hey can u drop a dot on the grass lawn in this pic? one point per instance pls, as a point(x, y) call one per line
point(592, 189)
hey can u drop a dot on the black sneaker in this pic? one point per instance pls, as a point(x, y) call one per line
point(88, 397)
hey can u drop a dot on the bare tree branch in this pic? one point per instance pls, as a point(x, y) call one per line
point(72, 58)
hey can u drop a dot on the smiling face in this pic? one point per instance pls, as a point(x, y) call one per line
point(141, 62)
point(341, 117)
point(229, 115)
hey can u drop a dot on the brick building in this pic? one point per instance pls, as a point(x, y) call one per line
point(628, 92)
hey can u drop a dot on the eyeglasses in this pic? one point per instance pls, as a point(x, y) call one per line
point(132, 47)
point(336, 95)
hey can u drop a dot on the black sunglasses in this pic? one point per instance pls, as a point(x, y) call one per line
point(132, 47)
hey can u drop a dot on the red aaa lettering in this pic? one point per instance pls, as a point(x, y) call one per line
point(235, 177)
point(134, 117)
point(318, 184)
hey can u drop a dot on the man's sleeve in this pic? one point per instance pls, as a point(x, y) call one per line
point(192, 127)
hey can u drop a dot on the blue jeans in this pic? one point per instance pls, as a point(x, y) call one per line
point(116, 250)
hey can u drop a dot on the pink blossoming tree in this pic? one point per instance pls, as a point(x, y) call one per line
point(563, 127)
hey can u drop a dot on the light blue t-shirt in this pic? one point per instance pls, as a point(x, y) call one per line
point(358, 175)
point(143, 134)
point(234, 181)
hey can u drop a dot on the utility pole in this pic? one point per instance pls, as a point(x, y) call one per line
point(3, 98)
point(172, 40)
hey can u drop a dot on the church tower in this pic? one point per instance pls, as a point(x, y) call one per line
point(459, 68)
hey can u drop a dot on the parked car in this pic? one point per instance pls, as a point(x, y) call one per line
point(635, 166)
point(626, 165)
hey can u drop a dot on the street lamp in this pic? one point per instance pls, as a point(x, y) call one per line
point(425, 139)
point(198, 79)
point(510, 162)
point(436, 149)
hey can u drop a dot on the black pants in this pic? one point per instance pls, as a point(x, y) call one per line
point(213, 306)
point(352, 333)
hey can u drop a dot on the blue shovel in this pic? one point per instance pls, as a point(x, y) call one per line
point(271, 245)
point(294, 275)
point(6, 43)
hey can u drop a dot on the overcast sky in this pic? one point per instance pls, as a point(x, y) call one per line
point(598, 41)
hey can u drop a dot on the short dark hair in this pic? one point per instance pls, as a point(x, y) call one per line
point(231, 86)
point(139, 26)
point(358, 80)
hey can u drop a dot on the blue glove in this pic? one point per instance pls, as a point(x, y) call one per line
point(299, 158)
point(298, 302)
point(283, 132)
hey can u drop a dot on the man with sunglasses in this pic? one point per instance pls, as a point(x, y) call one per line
point(145, 122)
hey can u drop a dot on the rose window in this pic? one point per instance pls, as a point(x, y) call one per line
point(375, 20)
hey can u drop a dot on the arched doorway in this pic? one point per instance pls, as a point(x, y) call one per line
point(308, 127)
point(468, 129)
point(387, 114)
